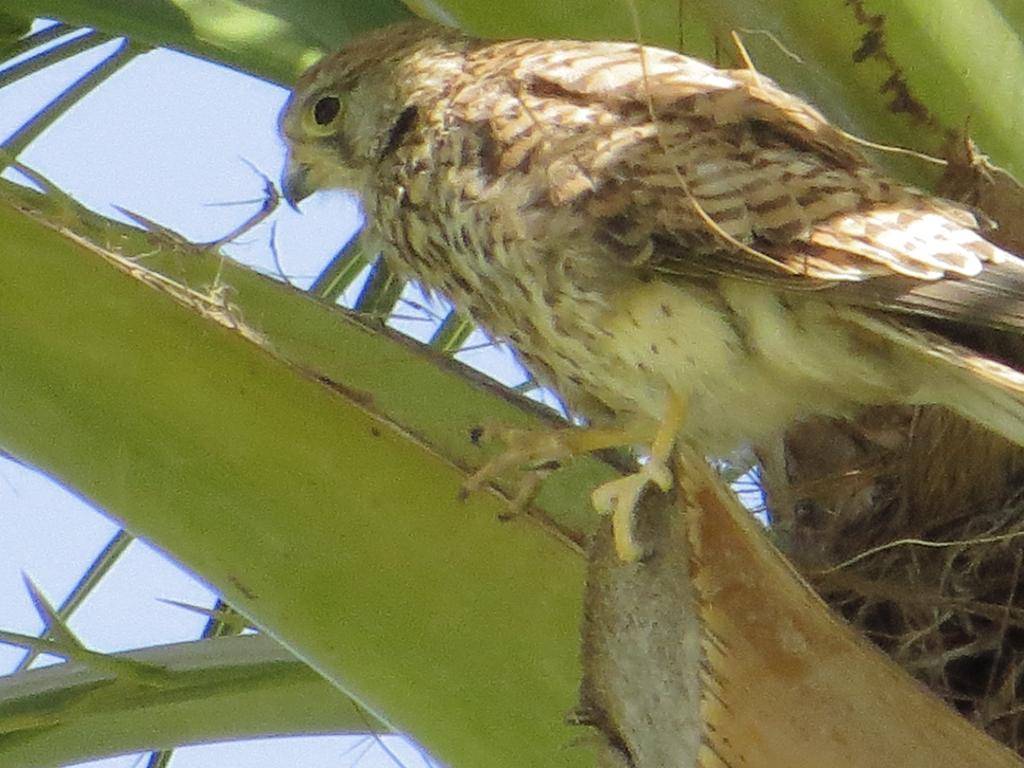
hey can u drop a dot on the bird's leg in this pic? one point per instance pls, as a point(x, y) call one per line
point(619, 497)
point(530, 448)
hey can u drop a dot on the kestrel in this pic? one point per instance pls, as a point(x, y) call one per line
point(680, 251)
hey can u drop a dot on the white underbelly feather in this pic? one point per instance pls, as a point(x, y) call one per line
point(742, 379)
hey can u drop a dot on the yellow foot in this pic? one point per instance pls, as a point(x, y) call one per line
point(533, 451)
point(619, 499)
point(540, 451)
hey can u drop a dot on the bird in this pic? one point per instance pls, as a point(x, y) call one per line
point(682, 252)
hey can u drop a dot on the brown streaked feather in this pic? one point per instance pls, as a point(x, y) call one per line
point(642, 226)
point(765, 166)
point(783, 181)
point(992, 299)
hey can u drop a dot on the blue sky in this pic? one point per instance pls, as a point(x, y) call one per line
point(182, 142)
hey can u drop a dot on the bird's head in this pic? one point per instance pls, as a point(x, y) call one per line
point(344, 111)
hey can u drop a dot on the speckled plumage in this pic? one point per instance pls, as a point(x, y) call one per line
point(644, 227)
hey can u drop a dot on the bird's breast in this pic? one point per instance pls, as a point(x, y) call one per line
point(746, 357)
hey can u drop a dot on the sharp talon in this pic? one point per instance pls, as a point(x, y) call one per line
point(476, 435)
point(547, 466)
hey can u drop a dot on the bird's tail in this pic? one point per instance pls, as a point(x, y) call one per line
point(979, 388)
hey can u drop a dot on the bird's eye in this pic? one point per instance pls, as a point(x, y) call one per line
point(326, 109)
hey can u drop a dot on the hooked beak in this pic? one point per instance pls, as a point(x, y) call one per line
point(295, 183)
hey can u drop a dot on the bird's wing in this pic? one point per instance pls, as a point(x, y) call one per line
point(738, 178)
point(993, 299)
